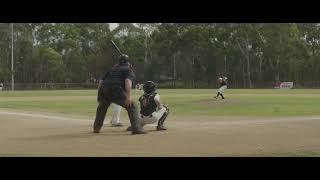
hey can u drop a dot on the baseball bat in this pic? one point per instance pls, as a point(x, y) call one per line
point(116, 47)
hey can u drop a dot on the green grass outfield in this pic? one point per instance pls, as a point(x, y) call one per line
point(182, 102)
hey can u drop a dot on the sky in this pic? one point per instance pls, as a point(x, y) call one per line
point(113, 25)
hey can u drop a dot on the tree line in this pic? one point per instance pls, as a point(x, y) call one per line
point(188, 55)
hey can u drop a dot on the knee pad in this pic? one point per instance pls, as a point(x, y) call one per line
point(167, 109)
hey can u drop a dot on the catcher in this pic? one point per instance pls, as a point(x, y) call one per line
point(223, 85)
point(151, 108)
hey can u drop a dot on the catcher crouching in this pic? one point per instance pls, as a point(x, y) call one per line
point(152, 110)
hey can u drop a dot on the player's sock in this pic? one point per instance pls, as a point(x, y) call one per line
point(218, 94)
point(222, 95)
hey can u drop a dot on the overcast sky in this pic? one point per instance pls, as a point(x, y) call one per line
point(113, 25)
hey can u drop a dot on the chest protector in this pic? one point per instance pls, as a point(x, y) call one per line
point(147, 104)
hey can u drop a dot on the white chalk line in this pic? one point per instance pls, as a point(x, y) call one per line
point(195, 122)
point(51, 117)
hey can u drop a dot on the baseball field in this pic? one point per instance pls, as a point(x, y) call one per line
point(261, 122)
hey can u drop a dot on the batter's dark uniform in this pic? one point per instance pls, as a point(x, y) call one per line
point(112, 91)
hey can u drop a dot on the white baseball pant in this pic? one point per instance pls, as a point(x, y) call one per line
point(155, 116)
point(222, 88)
point(116, 114)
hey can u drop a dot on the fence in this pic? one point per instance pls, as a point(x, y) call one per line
point(50, 86)
point(234, 85)
point(161, 84)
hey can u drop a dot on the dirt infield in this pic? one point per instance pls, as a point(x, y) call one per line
point(31, 134)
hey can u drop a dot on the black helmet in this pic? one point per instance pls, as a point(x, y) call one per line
point(123, 59)
point(149, 87)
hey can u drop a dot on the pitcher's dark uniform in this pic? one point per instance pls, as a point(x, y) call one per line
point(112, 90)
point(223, 85)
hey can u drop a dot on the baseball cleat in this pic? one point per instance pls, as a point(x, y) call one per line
point(161, 128)
point(116, 125)
point(129, 128)
point(142, 131)
point(96, 131)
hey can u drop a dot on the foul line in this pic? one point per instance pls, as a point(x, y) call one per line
point(208, 123)
point(44, 116)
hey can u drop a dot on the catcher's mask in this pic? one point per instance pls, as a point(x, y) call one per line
point(149, 87)
point(124, 59)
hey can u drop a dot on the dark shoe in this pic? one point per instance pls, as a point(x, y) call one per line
point(116, 125)
point(161, 128)
point(129, 128)
point(139, 132)
point(96, 131)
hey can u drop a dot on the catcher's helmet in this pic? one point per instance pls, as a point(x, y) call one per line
point(123, 59)
point(149, 87)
